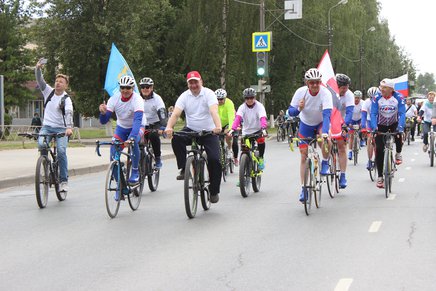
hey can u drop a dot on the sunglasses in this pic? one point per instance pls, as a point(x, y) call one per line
point(145, 86)
point(125, 88)
point(249, 98)
point(314, 82)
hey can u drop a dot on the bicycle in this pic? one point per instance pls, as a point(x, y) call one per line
point(312, 177)
point(431, 140)
point(356, 143)
point(227, 162)
point(373, 168)
point(117, 177)
point(334, 169)
point(409, 124)
point(281, 133)
point(196, 175)
point(47, 172)
point(147, 163)
point(389, 166)
point(249, 172)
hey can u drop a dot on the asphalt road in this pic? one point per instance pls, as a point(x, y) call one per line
point(357, 241)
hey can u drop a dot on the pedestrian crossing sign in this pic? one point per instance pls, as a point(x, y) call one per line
point(261, 41)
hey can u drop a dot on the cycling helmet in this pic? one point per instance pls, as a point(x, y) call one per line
point(127, 81)
point(358, 93)
point(373, 91)
point(249, 92)
point(342, 80)
point(146, 81)
point(313, 74)
point(220, 94)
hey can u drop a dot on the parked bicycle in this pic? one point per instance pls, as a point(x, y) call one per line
point(117, 177)
point(196, 174)
point(147, 163)
point(47, 172)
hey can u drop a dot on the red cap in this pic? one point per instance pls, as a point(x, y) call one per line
point(194, 75)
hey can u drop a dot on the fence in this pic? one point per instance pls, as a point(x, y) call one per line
point(11, 132)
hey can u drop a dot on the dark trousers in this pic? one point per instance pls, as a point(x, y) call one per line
point(426, 127)
point(155, 140)
point(380, 145)
point(212, 147)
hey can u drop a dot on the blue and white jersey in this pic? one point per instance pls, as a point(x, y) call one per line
point(357, 111)
point(388, 111)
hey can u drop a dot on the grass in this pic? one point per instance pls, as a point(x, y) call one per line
point(92, 133)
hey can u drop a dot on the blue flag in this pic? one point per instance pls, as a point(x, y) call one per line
point(116, 68)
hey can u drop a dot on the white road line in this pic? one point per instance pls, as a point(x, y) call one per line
point(401, 180)
point(375, 226)
point(392, 196)
point(412, 160)
point(344, 284)
point(408, 168)
point(415, 154)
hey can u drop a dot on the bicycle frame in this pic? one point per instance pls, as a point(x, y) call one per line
point(249, 147)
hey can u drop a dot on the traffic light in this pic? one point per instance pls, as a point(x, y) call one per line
point(262, 64)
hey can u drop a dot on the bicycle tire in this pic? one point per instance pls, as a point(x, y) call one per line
point(329, 180)
point(231, 165)
point(153, 173)
point(283, 135)
point(42, 181)
point(356, 148)
point(191, 187)
point(244, 175)
point(392, 172)
point(142, 171)
point(386, 172)
point(373, 172)
point(256, 180)
point(278, 135)
point(204, 180)
point(318, 188)
point(431, 150)
point(308, 187)
point(336, 175)
point(61, 195)
point(113, 189)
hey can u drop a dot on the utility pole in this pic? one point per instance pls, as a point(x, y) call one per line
point(2, 104)
point(262, 28)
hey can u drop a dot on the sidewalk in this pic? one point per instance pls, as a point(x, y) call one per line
point(17, 167)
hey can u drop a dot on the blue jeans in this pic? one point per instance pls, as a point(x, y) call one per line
point(122, 134)
point(62, 143)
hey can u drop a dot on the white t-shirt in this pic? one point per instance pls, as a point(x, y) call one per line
point(251, 117)
point(52, 112)
point(367, 108)
point(357, 111)
point(151, 106)
point(410, 112)
point(313, 106)
point(345, 101)
point(428, 110)
point(196, 109)
point(125, 111)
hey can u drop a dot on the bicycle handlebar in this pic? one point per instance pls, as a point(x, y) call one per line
point(193, 133)
point(33, 135)
point(98, 143)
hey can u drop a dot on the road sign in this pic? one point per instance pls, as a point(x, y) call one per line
point(293, 9)
point(266, 88)
point(261, 41)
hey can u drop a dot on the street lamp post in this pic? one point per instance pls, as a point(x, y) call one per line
point(329, 32)
point(361, 52)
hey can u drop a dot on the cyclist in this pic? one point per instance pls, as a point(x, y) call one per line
point(387, 114)
point(366, 120)
point(281, 119)
point(226, 111)
point(313, 104)
point(155, 114)
point(253, 114)
point(129, 109)
point(356, 120)
point(201, 109)
point(58, 118)
point(345, 104)
point(411, 114)
point(425, 114)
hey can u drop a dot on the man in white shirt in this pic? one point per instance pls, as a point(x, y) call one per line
point(356, 120)
point(201, 109)
point(411, 114)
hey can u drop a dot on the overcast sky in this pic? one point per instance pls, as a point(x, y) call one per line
point(413, 25)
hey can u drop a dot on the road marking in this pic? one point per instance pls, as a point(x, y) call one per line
point(392, 196)
point(415, 154)
point(401, 180)
point(412, 160)
point(408, 168)
point(375, 226)
point(344, 284)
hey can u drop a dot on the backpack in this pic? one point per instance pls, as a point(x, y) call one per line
point(61, 103)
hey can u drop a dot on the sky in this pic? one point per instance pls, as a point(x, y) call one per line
point(413, 25)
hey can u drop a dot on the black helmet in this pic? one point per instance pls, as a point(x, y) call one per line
point(249, 92)
point(342, 80)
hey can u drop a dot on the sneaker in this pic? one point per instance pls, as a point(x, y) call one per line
point(214, 198)
point(325, 170)
point(369, 165)
point(350, 155)
point(398, 158)
point(236, 162)
point(303, 195)
point(380, 182)
point(158, 162)
point(362, 143)
point(261, 164)
point(425, 148)
point(181, 175)
point(64, 187)
point(134, 177)
point(342, 181)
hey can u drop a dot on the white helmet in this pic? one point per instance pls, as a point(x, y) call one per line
point(373, 91)
point(313, 74)
point(146, 81)
point(127, 81)
point(220, 94)
point(358, 93)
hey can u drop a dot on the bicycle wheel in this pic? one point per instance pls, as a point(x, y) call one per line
point(113, 189)
point(142, 171)
point(330, 179)
point(61, 195)
point(336, 172)
point(308, 183)
point(392, 172)
point(135, 192)
point(191, 187)
point(256, 179)
point(42, 181)
point(387, 171)
point(318, 188)
point(356, 148)
point(231, 163)
point(204, 181)
point(244, 175)
point(283, 135)
point(431, 150)
point(279, 135)
point(373, 172)
point(153, 173)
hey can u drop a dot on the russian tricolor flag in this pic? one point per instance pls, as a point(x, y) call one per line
point(401, 84)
